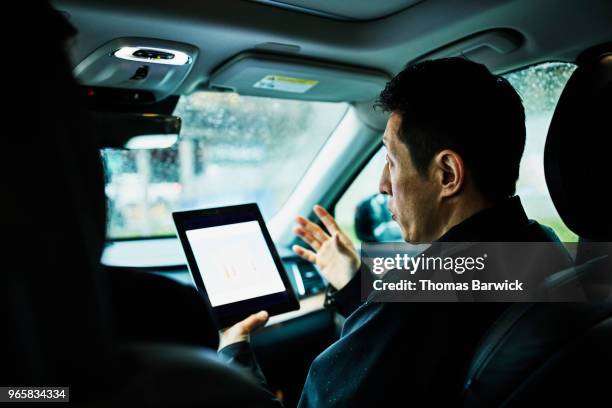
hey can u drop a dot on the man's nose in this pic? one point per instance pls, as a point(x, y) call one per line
point(384, 185)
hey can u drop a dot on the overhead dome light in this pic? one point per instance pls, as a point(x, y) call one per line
point(153, 55)
point(151, 142)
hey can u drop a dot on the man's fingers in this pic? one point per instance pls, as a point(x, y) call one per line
point(305, 253)
point(254, 322)
point(327, 219)
point(307, 237)
point(316, 231)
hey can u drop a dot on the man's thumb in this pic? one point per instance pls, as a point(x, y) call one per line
point(255, 321)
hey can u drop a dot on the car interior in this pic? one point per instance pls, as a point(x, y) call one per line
point(145, 108)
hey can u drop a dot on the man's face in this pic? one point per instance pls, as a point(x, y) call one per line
point(413, 198)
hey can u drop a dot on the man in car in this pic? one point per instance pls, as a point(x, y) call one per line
point(454, 141)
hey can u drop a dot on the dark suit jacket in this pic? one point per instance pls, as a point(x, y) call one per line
point(408, 353)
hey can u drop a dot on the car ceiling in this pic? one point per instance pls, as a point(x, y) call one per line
point(344, 10)
point(378, 35)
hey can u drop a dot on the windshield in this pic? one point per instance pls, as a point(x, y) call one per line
point(233, 149)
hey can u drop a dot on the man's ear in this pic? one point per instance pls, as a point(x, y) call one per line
point(449, 172)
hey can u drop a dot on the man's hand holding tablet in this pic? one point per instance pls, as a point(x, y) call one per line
point(241, 331)
point(332, 251)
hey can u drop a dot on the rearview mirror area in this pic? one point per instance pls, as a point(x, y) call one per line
point(122, 130)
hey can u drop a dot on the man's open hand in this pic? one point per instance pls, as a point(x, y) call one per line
point(241, 331)
point(333, 252)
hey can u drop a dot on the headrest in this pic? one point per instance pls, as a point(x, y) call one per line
point(578, 155)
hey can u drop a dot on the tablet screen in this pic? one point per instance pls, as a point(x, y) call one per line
point(236, 262)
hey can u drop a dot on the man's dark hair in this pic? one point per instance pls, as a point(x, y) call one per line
point(456, 104)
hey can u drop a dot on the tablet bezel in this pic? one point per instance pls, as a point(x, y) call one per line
point(228, 314)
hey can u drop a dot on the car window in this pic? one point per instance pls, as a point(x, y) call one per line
point(233, 149)
point(540, 87)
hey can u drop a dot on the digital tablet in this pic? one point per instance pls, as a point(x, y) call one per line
point(234, 263)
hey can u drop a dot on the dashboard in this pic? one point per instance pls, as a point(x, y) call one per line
point(164, 257)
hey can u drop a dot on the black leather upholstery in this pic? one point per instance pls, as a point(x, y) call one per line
point(577, 153)
point(549, 353)
point(525, 339)
point(575, 376)
point(165, 375)
point(164, 310)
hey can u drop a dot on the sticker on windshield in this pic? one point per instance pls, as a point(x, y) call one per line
point(285, 84)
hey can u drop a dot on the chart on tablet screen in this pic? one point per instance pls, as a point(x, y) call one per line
point(234, 262)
